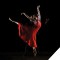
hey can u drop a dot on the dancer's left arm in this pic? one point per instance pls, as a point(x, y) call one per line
point(38, 11)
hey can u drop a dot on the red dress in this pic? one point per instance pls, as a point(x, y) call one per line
point(28, 34)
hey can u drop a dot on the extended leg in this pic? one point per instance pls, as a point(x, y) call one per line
point(34, 51)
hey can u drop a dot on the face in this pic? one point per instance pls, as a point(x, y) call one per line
point(34, 17)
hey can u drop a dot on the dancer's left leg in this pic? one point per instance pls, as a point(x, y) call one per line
point(34, 51)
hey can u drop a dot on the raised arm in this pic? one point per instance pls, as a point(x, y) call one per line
point(18, 26)
point(13, 21)
point(25, 15)
point(38, 11)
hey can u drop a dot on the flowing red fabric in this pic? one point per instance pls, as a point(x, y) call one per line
point(28, 34)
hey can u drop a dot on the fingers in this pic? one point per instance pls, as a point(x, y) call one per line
point(22, 13)
point(38, 6)
point(10, 19)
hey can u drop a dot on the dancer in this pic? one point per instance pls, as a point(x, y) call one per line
point(27, 33)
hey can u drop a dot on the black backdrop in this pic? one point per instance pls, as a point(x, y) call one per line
point(47, 37)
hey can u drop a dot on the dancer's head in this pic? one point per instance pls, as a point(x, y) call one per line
point(33, 17)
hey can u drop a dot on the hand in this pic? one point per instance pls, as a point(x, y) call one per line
point(38, 6)
point(22, 13)
point(10, 19)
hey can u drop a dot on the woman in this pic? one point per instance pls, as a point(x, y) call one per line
point(28, 33)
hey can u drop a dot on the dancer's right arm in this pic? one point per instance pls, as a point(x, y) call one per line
point(17, 24)
point(13, 21)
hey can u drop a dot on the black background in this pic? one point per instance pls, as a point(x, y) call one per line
point(47, 37)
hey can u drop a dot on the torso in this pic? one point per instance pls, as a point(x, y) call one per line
point(30, 31)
